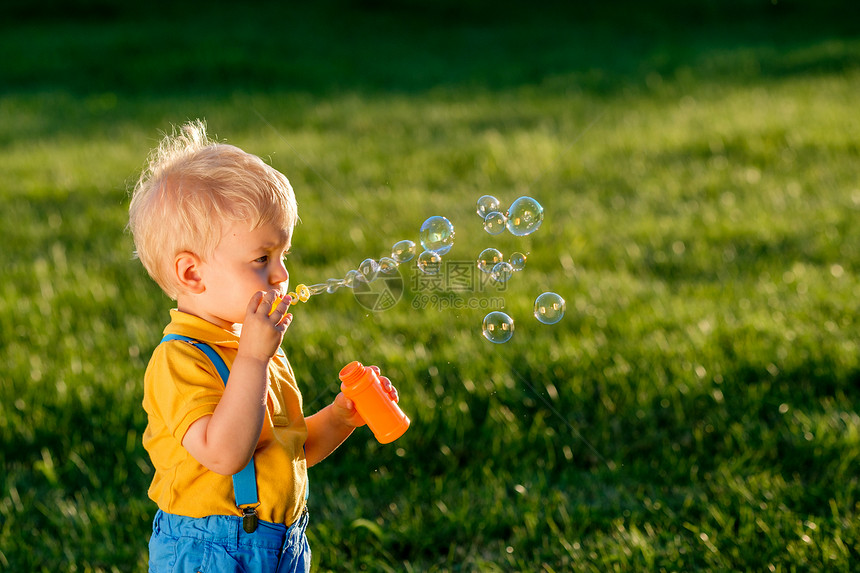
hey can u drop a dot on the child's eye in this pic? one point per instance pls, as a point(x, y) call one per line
point(262, 259)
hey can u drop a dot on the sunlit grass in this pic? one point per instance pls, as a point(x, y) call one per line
point(695, 409)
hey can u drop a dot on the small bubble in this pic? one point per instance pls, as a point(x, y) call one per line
point(369, 268)
point(403, 251)
point(488, 259)
point(549, 308)
point(333, 284)
point(430, 262)
point(494, 223)
point(352, 276)
point(387, 266)
point(517, 261)
point(525, 215)
point(497, 327)
point(502, 272)
point(487, 204)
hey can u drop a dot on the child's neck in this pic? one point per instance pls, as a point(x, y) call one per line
point(189, 308)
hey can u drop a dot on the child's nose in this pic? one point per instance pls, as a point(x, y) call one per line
point(279, 274)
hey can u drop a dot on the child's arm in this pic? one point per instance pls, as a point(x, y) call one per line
point(331, 426)
point(225, 441)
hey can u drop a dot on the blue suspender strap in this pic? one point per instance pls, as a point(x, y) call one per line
point(216, 359)
point(244, 482)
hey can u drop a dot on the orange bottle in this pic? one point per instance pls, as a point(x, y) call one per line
point(383, 416)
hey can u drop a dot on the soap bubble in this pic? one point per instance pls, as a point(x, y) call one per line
point(351, 277)
point(498, 327)
point(524, 216)
point(518, 261)
point(331, 285)
point(437, 234)
point(494, 223)
point(430, 262)
point(487, 204)
point(383, 293)
point(369, 268)
point(403, 251)
point(387, 266)
point(318, 288)
point(488, 259)
point(549, 308)
point(502, 272)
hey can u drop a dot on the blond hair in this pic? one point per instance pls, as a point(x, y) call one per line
point(191, 189)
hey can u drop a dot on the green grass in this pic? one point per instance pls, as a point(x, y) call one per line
point(695, 409)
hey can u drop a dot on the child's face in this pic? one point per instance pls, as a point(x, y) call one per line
point(243, 263)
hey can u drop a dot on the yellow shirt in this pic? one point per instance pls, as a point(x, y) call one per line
point(181, 386)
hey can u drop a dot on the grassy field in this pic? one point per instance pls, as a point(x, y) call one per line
point(696, 408)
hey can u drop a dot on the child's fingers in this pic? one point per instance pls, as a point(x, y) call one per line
point(275, 303)
point(389, 387)
point(343, 402)
point(345, 409)
point(286, 320)
point(386, 384)
point(254, 303)
point(282, 304)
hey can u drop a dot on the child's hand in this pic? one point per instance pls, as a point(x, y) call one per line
point(345, 412)
point(344, 408)
point(262, 332)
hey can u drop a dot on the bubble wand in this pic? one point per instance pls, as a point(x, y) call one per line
point(402, 252)
point(360, 383)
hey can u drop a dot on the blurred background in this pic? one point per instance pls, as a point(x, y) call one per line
point(697, 162)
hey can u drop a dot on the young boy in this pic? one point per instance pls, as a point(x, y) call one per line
point(212, 224)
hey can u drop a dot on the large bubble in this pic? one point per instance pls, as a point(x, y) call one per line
point(498, 327)
point(437, 234)
point(549, 308)
point(525, 215)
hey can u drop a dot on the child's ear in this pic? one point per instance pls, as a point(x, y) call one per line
point(187, 269)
